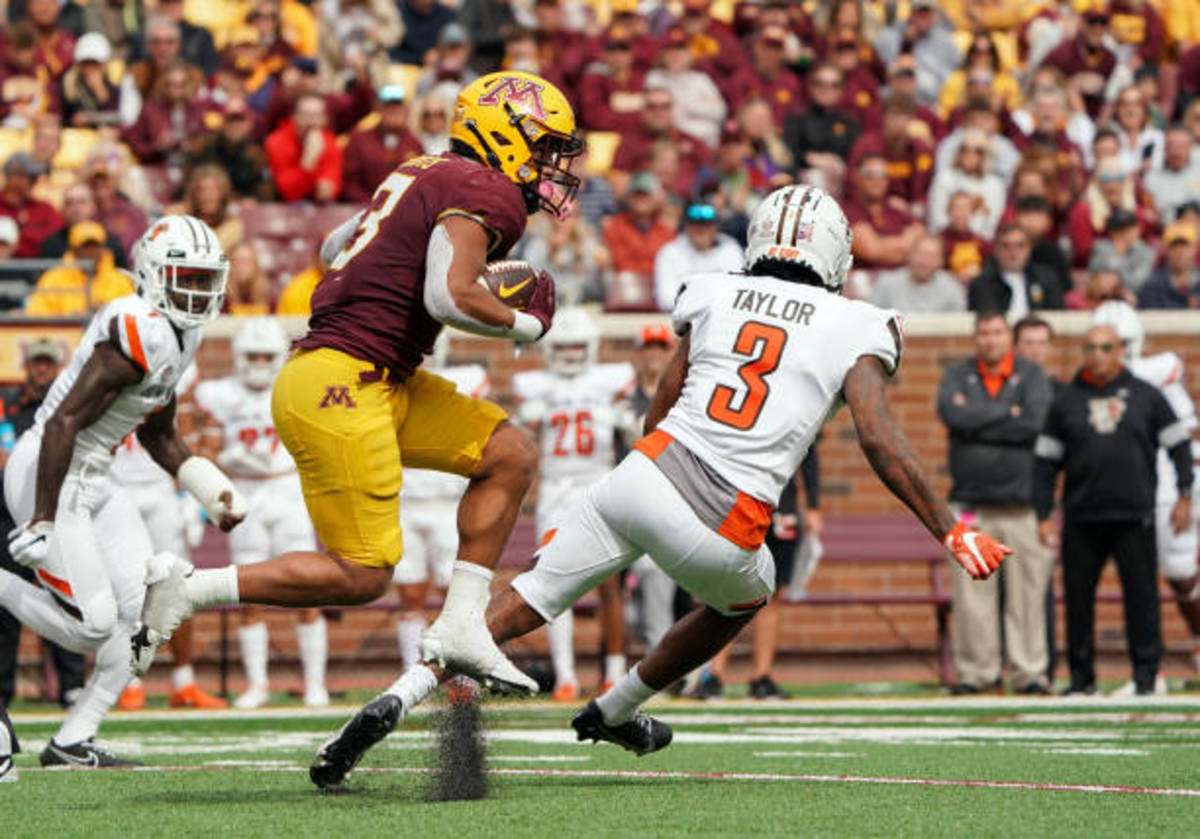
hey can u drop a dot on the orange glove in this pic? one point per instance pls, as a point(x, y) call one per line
point(978, 553)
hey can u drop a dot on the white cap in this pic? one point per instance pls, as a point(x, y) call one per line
point(92, 46)
point(9, 234)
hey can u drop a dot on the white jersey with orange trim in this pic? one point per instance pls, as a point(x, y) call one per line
point(429, 484)
point(250, 447)
point(132, 464)
point(1166, 372)
point(766, 365)
point(147, 339)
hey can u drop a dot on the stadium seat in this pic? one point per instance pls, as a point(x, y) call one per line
point(601, 149)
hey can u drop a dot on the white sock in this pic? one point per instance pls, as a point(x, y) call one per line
point(408, 635)
point(312, 641)
point(253, 641)
point(182, 676)
point(212, 586)
point(625, 697)
point(468, 592)
point(561, 634)
point(614, 667)
point(109, 678)
point(412, 688)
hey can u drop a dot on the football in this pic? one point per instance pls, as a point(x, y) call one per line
point(512, 281)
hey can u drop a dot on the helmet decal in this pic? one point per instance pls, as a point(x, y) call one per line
point(524, 95)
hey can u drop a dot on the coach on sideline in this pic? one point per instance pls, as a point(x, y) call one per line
point(1103, 431)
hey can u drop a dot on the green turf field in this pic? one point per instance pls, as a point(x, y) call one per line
point(878, 767)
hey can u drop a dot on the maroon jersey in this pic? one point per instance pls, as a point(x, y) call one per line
point(370, 303)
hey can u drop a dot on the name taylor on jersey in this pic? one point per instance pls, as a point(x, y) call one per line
point(766, 304)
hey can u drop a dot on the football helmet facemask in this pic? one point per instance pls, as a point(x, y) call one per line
point(180, 269)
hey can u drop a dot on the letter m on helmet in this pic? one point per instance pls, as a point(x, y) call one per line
point(524, 95)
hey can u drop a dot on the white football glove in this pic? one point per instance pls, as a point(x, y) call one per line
point(30, 544)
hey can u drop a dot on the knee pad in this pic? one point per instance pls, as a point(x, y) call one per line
point(98, 624)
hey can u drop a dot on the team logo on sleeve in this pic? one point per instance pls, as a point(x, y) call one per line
point(524, 95)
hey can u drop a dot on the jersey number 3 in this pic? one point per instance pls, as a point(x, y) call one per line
point(763, 345)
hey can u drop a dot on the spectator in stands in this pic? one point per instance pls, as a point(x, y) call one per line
point(68, 290)
point(9, 236)
point(372, 153)
point(449, 65)
point(1054, 117)
point(926, 125)
point(930, 42)
point(769, 162)
point(572, 251)
point(1084, 60)
point(883, 233)
point(657, 126)
point(248, 289)
point(431, 122)
point(354, 31)
point(699, 247)
point(1177, 178)
point(287, 29)
point(423, 21)
point(143, 78)
point(909, 162)
point(922, 285)
point(729, 174)
point(710, 39)
point(1137, 27)
point(559, 46)
point(699, 109)
point(169, 118)
point(1010, 283)
point(232, 147)
point(1124, 248)
point(27, 87)
point(635, 234)
point(993, 406)
point(89, 99)
point(1033, 339)
point(1103, 283)
point(296, 297)
point(104, 171)
point(766, 76)
point(982, 58)
point(300, 77)
point(1039, 175)
point(1104, 431)
point(1141, 142)
point(79, 205)
point(819, 137)
point(970, 173)
point(55, 49)
point(1034, 216)
point(35, 219)
point(612, 90)
point(208, 196)
point(1176, 285)
point(305, 159)
point(195, 42)
point(965, 250)
point(1003, 155)
point(486, 22)
point(1111, 188)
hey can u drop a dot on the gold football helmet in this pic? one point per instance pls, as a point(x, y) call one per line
point(523, 126)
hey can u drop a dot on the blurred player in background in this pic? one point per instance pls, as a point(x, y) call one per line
point(573, 410)
point(79, 531)
point(429, 518)
point(352, 404)
point(175, 527)
point(1177, 551)
point(764, 359)
point(235, 413)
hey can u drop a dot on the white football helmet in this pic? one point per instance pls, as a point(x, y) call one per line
point(180, 269)
point(1124, 319)
point(573, 342)
point(802, 225)
point(259, 348)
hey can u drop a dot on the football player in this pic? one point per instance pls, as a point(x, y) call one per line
point(764, 358)
point(352, 403)
point(429, 518)
point(175, 527)
point(1177, 549)
point(79, 531)
point(235, 413)
point(573, 409)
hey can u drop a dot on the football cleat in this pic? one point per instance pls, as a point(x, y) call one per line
point(83, 755)
point(8, 747)
point(467, 649)
point(1131, 689)
point(255, 696)
point(8, 770)
point(338, 755)
point(566, 692)
point(764, 687)
point(193, 696)
point(640, 734)
point(133, 698)
point(317, 697)
point(165, 608)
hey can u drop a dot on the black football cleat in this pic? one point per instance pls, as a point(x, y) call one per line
point(342, 752)
point(83, 755)
point(641, 734)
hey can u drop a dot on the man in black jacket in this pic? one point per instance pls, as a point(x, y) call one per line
point(993, 406)
point(1104, 430)
point(1010, 282)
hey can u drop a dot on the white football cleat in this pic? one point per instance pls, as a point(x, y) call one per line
point(316, 697)
point(1130, 689)
point(165, 608)
point(255, 696)
point(467, 649)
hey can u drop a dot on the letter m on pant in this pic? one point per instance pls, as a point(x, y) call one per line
point(337, 395)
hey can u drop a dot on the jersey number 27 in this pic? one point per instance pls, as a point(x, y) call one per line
point(763, 345)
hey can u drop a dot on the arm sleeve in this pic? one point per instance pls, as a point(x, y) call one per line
point(1049, 452)
point(337, 238)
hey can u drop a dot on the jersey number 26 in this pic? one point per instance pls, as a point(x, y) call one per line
point(763, 345)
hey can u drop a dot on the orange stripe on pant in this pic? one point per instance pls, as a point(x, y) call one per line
point(747, 523)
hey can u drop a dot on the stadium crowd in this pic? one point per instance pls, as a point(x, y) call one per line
point(999, 154)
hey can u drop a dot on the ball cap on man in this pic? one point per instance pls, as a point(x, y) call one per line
point(23, 163)
point(43, 348)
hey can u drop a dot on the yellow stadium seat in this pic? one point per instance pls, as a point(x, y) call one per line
point(601, 148)
point(404, 74)
point(12, 141)
point(76, 143)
